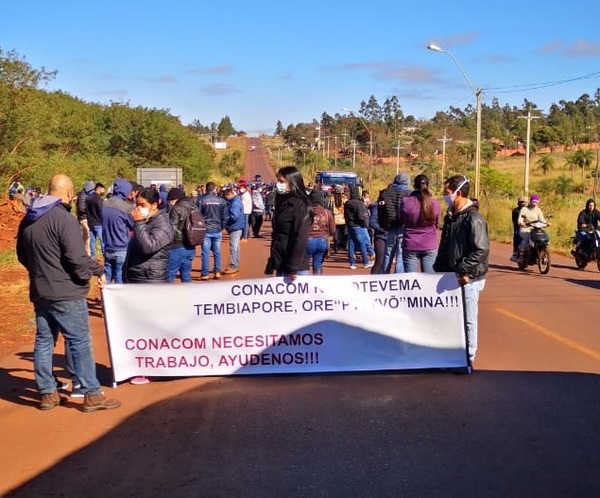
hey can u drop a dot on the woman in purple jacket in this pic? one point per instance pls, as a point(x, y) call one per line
point(420, 213)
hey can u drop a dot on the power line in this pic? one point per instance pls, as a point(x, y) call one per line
point(547, 84)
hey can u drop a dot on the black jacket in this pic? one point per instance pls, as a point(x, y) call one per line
point(389, 201)
point(148, 254)
point(465, 245)
point(291, 224)
point(177, 216)
point(49, 245)
point(355, 210)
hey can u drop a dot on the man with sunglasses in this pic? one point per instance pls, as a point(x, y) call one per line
point(464, 250)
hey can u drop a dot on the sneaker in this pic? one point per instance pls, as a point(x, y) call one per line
point(60, 385)
point(94, 402)
point(370, 264)
point(513, 258)
point(139, 380)
point(230, 271)
point(353, 267)
point(204, 277)
point(50, 400)
point(217, 275)
point(77, 391)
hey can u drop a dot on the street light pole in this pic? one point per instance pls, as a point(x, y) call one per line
point(477, 92)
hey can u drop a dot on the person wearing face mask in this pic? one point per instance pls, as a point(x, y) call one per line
point(246, 198)
point(258, 209)
point(291, 223)
point(464, 250)
point(147, 258)
point(148, 252)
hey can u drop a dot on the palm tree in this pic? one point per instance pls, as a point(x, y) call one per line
point(563, 185)
point(583, 159)
point(545, 163)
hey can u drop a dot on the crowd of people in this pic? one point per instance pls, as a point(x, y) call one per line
point(140, 234)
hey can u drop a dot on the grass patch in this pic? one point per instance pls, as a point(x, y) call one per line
point(8, 259)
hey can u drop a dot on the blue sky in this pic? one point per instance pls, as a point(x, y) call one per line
point(262, 61)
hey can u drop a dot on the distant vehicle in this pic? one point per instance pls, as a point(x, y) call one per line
point(252, 147)
point(258, 178)
point(328, 179)
point(171, 177)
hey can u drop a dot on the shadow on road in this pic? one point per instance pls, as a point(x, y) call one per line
point(370, 435)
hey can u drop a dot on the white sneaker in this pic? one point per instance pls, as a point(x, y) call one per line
point(370, 264)
point(353, 267)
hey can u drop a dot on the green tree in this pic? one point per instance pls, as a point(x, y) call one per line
point(563, 185)
point(545, 163)
point(225, 128)
point(582, 158)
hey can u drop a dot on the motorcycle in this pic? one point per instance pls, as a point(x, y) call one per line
point(588, 250)
point(537, 252)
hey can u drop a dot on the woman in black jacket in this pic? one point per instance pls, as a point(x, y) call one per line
point(292, 219)
point(148, 253)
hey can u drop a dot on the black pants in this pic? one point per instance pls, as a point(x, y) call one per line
point(256, 221)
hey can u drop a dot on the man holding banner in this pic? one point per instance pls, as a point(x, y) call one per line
point(464, 249)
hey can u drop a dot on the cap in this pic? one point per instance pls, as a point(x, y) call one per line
point(534, 198)
point(402, 179)
point(522, 200)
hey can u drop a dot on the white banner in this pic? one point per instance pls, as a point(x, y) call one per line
point(274, 325)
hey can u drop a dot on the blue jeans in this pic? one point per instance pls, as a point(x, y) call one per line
point(246, 226)
point(411, 260)
point(72, 319)
point(180, 261)
point(113, 266)
point(316, 248)
point(96, 233)
point(212, 243)
point(471, 295)
point(234, 248)
point(393, 248)
point(359, 236)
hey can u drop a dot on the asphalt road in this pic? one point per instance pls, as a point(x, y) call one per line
point(524, 424)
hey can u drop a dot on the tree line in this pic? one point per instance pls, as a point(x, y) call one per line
point(42, 132)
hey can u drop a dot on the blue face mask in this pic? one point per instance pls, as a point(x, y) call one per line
point(281, 188)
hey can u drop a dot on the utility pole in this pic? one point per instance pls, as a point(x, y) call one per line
point(398, 147)
point(529, 117)
point(444, 140)
point(335, 152)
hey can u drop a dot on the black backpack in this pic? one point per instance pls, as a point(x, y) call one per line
point(194, 230)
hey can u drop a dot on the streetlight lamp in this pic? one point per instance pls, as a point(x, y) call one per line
point(477, 93)
point(370, 131)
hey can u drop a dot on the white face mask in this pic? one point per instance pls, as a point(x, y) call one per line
point(144, 211)
point(281, 188)
point(449, 198)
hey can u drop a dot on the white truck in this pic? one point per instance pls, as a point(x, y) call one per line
point(171, 177)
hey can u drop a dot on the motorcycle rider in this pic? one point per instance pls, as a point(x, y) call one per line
point(529, 214)
point(587, 221)
point(515, 221)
